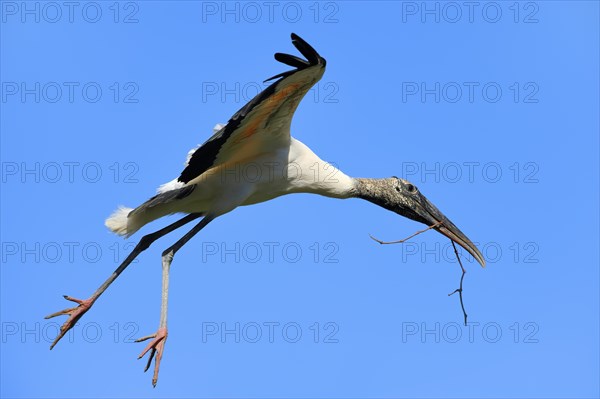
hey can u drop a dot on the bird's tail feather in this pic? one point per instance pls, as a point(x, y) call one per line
point(117, 222)
point(126, 221)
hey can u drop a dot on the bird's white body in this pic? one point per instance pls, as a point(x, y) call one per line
point(291, 168)
point(253, 158)
point(286, 170)
point(295, 169)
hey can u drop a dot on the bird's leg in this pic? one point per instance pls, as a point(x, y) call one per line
point(77, 312)
point(157, 345)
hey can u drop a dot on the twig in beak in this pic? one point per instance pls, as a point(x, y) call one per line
point(462, 277)
point(460, 288)
point(409, 237)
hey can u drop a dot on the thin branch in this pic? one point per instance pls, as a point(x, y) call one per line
point(460, 288)
point(464, 271)
point(407, 238)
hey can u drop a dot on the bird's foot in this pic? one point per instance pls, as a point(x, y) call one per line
point(156, 347)
point(74, 315)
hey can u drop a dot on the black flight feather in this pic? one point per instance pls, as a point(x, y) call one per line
point(204, 157)
point(291, 60)
point(306, 49)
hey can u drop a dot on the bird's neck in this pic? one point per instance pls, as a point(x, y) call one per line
point(310, 174)
point(372, 190)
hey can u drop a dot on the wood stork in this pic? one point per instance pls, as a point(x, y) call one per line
point(211, 185)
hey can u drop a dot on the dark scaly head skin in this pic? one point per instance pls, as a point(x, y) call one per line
point(404, 198)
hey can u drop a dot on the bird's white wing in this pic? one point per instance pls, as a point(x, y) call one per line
point(264, 123)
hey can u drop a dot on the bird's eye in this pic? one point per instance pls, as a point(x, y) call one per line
point(411, 189)
point(398, 188)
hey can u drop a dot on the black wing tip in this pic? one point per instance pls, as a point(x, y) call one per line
point(307, 50)
point(291, 60)
point(312, 58)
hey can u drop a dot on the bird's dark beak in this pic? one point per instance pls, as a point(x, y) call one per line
point(403, 198)
point(430, 215)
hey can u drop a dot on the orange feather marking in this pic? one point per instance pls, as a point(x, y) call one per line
point(263, 111)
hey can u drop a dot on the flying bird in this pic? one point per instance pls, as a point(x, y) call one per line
point(212, 183)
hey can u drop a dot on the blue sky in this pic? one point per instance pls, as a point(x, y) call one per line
point(490, 109)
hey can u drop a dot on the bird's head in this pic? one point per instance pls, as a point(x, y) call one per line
point(404, 198)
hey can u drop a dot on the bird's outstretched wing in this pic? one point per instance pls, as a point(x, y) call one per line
point(264, 123)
